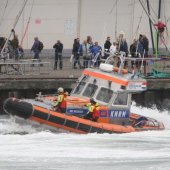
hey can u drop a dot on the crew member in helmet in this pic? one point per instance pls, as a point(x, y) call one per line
point(93, 113)
point(61, 103)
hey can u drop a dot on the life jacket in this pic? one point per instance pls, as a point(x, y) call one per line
point(91, 108)
point(96, 111)
point(61, 99)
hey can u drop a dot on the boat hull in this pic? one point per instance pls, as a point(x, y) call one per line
point(26, 110)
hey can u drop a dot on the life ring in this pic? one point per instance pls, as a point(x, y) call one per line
point(106, 67)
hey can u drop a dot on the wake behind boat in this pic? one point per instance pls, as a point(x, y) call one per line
point(109, 85)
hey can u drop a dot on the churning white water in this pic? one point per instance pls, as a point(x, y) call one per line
point(24, 146)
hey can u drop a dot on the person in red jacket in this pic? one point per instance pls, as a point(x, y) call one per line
point(160, 26)
point(96, 113)
point(61, 104)
point(93, 113)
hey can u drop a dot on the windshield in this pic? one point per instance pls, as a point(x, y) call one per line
point(104, 95)
point(121, 99)
point(79, 88)
point(90, 90)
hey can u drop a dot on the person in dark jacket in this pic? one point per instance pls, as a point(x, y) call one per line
point(76, 53)
point(145, 43)
point(15, 45)
point(107, 45)
point(35, 48)
point(133, 51)
point(58, 54)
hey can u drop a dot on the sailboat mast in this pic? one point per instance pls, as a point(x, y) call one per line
point(159, 15)
point(159, 9)
point(150, 25)
point(14, 25)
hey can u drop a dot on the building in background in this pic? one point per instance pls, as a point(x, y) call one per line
point(68, 19)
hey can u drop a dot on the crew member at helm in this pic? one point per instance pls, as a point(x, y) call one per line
point(60, 104)
point(93, 113)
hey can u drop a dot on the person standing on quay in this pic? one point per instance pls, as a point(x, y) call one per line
point(58, 54)
point(107, 46)
point(76, 54)
point(35, 48)
point(15, 45)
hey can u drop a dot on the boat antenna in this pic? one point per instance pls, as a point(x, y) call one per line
point(13, 27)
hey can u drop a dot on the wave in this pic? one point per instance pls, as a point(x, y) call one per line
point(153, 112)
point(14, 125)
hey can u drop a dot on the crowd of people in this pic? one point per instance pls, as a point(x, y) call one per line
point(90, 51)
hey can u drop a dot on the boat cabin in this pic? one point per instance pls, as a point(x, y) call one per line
point(111, 89)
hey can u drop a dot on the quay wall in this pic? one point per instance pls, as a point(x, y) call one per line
point(158, 93)
point(31, 80)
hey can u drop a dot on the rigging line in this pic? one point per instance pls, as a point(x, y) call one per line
point(140, 19)
point(18, 16)
point(166, 20)
point(28, 22)
point(116, 21)
point(14, 25)
point(132, 21)
point(3, 13)
point(137, 32)
point(113, 7)
point(152, 20)
point(153, 11)
point(11, 8)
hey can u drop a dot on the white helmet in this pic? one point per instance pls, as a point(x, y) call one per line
point(60, 90)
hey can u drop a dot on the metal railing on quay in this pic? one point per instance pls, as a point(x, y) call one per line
point(45, 66)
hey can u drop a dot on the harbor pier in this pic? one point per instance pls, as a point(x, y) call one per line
point(26, 77)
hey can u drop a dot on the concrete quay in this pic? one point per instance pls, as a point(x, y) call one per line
point(26, 80)
point(29, 74)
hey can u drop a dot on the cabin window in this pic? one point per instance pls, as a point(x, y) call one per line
point(90, 90)
point(85, 78)
point(121, 99)
point(104, 95)
point(79, 88)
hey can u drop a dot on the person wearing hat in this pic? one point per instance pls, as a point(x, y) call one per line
point(122, 43)
point(60, 104)
point(93, 113)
